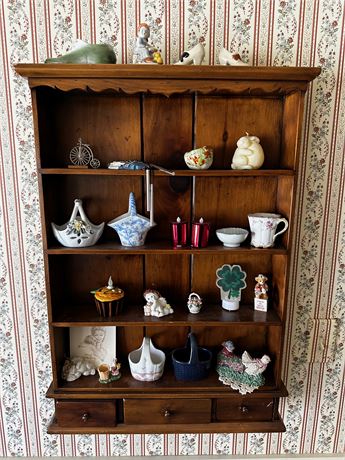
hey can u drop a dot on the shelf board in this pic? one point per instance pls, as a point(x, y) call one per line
point(167, 384)
point(178, 172)
point(212, 315)
point(161, 247)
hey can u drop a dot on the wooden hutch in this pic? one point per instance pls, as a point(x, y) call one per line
point(155, 114)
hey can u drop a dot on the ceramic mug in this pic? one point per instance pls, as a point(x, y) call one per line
point(263, 228)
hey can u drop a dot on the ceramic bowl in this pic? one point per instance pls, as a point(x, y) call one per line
point(200, 158)
point(232, 237)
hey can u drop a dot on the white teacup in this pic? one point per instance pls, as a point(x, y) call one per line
point(263, 228)
point(200, 158)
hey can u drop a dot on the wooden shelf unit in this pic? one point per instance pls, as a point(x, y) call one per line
point(155, 114)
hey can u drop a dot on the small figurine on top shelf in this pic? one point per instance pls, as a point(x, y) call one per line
point(144, 53)
point(260, 292)
point(156, 305)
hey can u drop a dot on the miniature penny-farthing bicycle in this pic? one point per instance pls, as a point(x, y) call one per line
point(82, 155)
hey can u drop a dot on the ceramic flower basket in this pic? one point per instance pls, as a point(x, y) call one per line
point(147, 362)
point(131, 227)
point(78, 232)
point(231, 281)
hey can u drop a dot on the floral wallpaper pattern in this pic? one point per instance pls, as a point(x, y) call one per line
point(264, 32)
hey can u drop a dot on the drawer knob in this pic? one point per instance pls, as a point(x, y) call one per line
point(85, 417)
point(244, 409)
point(167, 413)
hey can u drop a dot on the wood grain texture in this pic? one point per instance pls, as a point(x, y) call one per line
point(85, 413)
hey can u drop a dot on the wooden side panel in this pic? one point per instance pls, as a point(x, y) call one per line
point(285, 199)
point(274, 350)
point(279, 284)
point(108, 122)
point(167, 129)
point(221, 121)
point(291, 130)
point(226, 202)
point(60, 351)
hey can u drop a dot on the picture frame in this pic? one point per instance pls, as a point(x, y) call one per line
point(97, 344)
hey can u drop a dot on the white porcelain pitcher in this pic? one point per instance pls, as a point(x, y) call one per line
point(263, 228)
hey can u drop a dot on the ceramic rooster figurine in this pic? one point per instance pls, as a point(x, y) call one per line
point(254, 366)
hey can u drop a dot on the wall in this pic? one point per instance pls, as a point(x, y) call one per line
point(290, 32)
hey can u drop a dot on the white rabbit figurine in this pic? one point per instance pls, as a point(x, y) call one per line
point(249, 153)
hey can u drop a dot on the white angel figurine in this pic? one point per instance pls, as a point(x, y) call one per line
point(156, 305)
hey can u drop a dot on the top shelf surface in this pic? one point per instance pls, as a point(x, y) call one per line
point(127, 71)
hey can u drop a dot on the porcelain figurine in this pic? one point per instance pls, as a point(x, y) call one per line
point(231, 280)
point(156, 305)
point(200, 158)
point(144, 53)
point(240, 373)
point(84, 53)
point(131, 227)
point(74, 368)
point(249, 153)
point(108, 374)
point(227, 58)
point(260, 293)
point(193, 56)
point(194, 303)
point(78, 231)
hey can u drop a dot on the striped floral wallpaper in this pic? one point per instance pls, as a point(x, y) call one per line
point(267, 32)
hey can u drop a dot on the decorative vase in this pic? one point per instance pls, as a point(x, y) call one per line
point(131, 227)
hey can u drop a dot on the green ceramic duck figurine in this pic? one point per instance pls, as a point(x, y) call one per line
point(84, 53)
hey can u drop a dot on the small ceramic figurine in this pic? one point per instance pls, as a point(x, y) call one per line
point(74, 368)
point(144, 53)
point(156, 305)
point(249, 153)
point(240, 373)
point(193, 56)
point(84, 53)
point(194, 303)
point(260, 292)
point(255, 366)
point(231, 280)
point(108, 373)
point(227, 58)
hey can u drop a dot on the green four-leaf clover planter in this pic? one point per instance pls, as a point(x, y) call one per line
point(231, 281)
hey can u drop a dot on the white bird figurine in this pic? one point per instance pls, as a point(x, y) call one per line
point(254, 366)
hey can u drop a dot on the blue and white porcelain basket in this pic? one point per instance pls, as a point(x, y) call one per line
point(131, 227)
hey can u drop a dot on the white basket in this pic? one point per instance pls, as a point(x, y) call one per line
point(147, 362)
point(78, 232)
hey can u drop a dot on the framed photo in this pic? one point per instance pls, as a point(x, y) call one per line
point(97, 344)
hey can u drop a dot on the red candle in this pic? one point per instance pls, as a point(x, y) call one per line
point(200, 234)
point(179, 233)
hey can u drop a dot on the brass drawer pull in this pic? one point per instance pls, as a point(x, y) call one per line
point(244, 409)
point(85, 417)
point(167, 413)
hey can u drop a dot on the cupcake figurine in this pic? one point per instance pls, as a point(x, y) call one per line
point(109, 299)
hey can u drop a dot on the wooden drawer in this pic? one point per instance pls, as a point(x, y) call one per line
point(85, 413)
point(241, 409)
point(166, 411)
